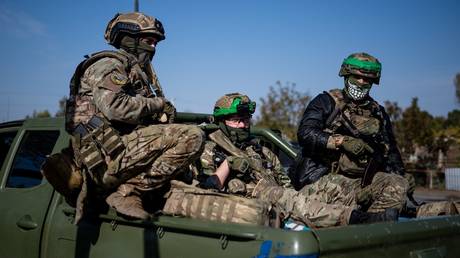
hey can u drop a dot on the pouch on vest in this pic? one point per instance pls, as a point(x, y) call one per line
point(189, 201)
point(353, 167)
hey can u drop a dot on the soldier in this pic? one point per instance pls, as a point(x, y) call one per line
point(349, 153)
point(113, 117)
point(236, 163)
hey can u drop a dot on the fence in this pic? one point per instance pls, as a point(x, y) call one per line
point(452, 178)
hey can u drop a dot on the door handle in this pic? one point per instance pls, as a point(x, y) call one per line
point(26, 222)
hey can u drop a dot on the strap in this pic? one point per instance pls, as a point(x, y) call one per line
point(225, 143)
point(340, 103)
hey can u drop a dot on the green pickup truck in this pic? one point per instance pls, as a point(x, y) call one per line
point(36, 222)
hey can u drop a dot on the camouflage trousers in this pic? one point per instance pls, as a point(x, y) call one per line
point(385, 191)
point(301, 207)
point(156, 154)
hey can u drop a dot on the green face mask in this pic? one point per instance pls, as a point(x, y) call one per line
point(236, 135)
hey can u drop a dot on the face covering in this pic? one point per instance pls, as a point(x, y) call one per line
point(356, 90)
point(236, 135)
point(142, 50)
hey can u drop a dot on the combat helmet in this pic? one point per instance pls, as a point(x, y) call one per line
point(233, 104)
point(362, 64)
point(134, 24)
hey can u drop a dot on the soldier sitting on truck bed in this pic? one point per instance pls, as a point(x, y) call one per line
point(235, 163)
point(114, 119)
point(349, 151)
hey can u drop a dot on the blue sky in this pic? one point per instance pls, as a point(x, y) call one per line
point(214, 47)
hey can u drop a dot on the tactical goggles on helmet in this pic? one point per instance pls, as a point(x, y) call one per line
point(237, 107)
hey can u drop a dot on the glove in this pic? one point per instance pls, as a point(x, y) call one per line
point(355, 146)
point(169, 111)
point(364, 196)
point(238, 164)
point(411, 181)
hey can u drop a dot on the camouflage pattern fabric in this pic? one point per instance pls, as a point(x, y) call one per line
point(114, 86)
point(159, 152)
point(308, 209)
point(189, 201)
point(268, 162)
point(438, 209)
point(107, 80)
point(279, 192)
point(385, 191)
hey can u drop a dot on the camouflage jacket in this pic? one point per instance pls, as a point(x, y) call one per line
point(263, 163)
point(115, 86)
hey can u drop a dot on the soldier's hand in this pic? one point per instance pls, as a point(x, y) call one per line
point(356, 146)
point(364, 196)
point(238, 164)
point(168, 113)
point(411, 181)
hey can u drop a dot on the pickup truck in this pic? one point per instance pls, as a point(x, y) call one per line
point(36, 222)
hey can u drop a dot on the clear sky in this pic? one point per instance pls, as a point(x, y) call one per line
point(214, 47)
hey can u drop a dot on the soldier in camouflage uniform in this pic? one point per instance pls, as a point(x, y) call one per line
point(114, 118)
point(344, 133)
point(235, 163)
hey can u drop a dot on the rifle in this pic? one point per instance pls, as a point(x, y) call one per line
point(372, 167)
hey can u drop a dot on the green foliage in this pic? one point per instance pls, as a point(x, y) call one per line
point(61, 111)
point(282, 109)
point(39, 114)
point(457, 86)
point(415, 127)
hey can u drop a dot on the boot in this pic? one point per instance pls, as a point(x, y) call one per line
point(362, 217)
point(128, 205)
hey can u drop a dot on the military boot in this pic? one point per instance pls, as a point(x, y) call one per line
point(362, 217)
point(128, 203)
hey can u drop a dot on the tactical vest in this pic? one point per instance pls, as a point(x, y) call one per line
point(80, 107)
point(95, 140)
point(364, 121)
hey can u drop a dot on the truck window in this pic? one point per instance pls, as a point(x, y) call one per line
point(6, 139)
point(32, 152)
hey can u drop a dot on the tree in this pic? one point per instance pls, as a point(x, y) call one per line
point(415, 127)
point(393, 110)
point(61, 111)
point(39, 114)
point(282, 109)
point(457, 86)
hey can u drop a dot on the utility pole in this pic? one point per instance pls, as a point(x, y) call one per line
point(136, 5)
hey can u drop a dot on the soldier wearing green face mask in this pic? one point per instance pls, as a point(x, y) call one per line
point(341, 133)
point(234, 162)
point(237, 159)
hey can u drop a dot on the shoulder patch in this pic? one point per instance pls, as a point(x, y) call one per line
point(118, 79)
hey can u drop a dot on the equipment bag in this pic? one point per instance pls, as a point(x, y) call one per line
point(193, 202)
point(439, 208)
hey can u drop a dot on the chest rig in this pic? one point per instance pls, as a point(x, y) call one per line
point(259, 165)
point(94, 139)
point(80, 107)
point(364, 121)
